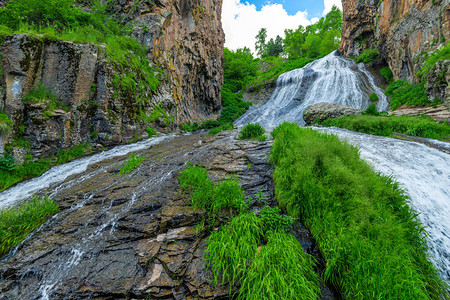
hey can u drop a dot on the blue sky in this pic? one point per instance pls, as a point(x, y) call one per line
point(314, 7)
point(242, 19)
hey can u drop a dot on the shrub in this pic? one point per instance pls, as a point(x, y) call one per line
point(368, 56)
point(17, 222)
point(387, 74)
point(5, 123)
point(252, 131)
point(373, 97)
point(405, 93)
point(132, 163)
point(150, 131)
point(7, 163)
point(371, 110)
point(355, 215)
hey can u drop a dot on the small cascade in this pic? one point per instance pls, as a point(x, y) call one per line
point(331, 79)
point(60, 173)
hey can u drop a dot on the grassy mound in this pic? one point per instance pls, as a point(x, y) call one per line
point(386, 126)
point(372, 241)
point(252, 131)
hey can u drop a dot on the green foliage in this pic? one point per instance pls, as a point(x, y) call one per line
point(17, 222)
point(387, 74)
point(315, 40)
point(271, 48)
point(5, 123)
point(274, 221)
point(371, 110)
point(405, 93)
point(386, 126)
point(433, 59)
point(228, 126)
point(371, 239)
point(368, 56)
point(188, 127)
point(280, 270)
point(12, 175)
point(132, 163)
point(252, 131)
point(373, 97)
point(150, 131)
point(7, 163)
point(210, 197)
point(230, 250)
point(41, 94)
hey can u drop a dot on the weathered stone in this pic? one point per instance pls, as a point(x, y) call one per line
point(405, 32)
point(321, 111)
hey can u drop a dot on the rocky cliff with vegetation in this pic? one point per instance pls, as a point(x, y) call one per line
point(105, 72)
point(410, 35)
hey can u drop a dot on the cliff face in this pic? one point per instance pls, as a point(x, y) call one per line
point(404, 31)
point(183, 37)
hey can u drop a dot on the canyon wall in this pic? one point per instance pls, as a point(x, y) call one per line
point(405, 32)
point(103, 102)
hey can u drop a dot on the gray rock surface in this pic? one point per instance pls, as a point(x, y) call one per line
point(321, 111)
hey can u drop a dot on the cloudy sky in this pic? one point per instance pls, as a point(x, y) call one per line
point(242, 19)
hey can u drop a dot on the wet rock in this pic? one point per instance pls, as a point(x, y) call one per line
point(321, 111)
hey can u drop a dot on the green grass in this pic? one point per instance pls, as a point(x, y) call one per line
point(405, 93)
point(367, 56)
point(17, 222)
point(15, 174)
point(252, 252)
point(252, 131)
point(387, 74)
point(373, 243)
point(432, 60)
point(132, 163)
point(280, 270)
point(5, 123)
point(150, 131)
point(228, 126)
point(387, 126)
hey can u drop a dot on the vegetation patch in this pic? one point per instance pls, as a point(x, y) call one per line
point(387, 126)
point(387, 74)
point(433, 59)
point(371, 239)
point(406, 93)
point(251, 252)
point(132, 163)
point(5, 123)
point(10, 174)
point(17, 222)
point(367, 56)
point(252, 131)
point(228, 126)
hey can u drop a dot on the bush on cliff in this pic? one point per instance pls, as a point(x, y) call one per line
point(372, 241)
point(405, 93)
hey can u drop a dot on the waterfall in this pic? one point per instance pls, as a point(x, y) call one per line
point(332, 79)
point(423, 172)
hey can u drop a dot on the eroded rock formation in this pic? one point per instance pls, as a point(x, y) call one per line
point(405, 32)
point(184, 38)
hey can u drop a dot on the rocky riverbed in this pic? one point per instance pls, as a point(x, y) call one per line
point(136, 235)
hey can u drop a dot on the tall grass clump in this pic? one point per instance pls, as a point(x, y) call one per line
point(17, 222)
point(371, 239)
point(252, 252)
point(280, 270)
point(132, 163)
point(252, 131)
point(5, 123)
point(387, 126)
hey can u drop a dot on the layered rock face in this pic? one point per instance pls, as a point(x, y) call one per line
point(183, 38)
point(322, 111)
point(404, 31)
point(186, 38)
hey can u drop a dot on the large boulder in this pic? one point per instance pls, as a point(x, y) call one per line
point(321, 111)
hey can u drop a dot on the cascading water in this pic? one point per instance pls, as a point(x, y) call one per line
point(59, 173)
point(332, 79)
point(423, 172)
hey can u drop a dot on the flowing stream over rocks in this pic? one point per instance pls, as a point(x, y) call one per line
point(424, 172)
point(332, 79)
point(134, 236)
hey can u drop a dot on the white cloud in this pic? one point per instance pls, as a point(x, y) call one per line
point(329, 4)
point(242, 22)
